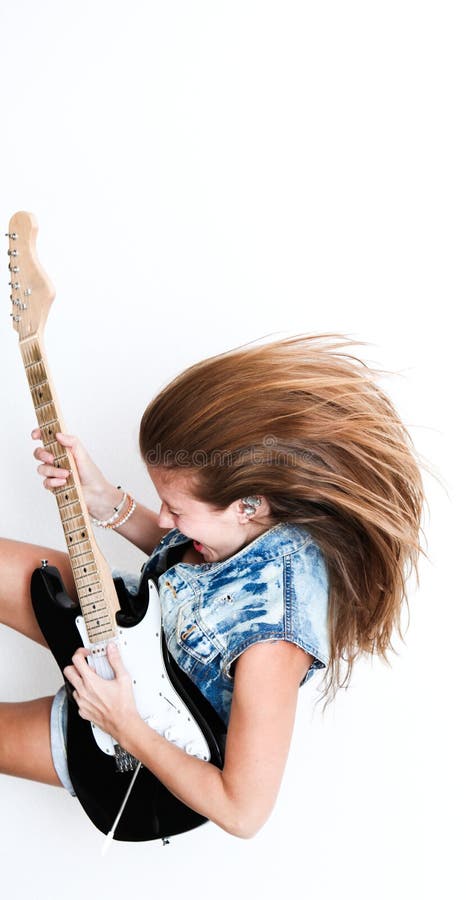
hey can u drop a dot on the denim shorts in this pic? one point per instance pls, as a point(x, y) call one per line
point(58, 723)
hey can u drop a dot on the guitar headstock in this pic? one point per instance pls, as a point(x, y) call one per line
point(31, 290)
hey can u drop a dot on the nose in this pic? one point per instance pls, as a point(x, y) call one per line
point(166, 520)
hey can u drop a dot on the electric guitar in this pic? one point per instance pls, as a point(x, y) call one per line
point(102, 772)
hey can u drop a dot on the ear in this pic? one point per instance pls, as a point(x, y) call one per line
point(260, 513)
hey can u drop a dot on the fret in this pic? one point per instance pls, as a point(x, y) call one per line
point(71, 504)
point(87, 570)
point(75, 546)
point(87, 591)
point(86, 586)
point(45, 413)
point(30, 351)
point(47, 424)
point(84, 579)
point(96, 621)
point(71, 511)
point(36, 374)
point(47, 416)
point(97, 627)
point(38, 406)
point(89, 605)
point(61, 456)
point(87, 561)
point(91, 595)
point(41, 395)
point(58, 451)
point(63, 499)
point(72, 532)
point(75, 543)
point(75, 550)
point(83, 589)
point(82, 586)
point(87, 553)
point(100, 634)
point(53, 446)
point(93, 614)
point(94, 611)
point(78, 526)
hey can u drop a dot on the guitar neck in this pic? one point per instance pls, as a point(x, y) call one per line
point(96, 592)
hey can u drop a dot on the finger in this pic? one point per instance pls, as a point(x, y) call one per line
point(114, 658)
point(85, 713)
point(83, 651)
point(52, 471)
point(84, 709)
point(43, 454)
point(81, 665)
point(54, 482)
point(67, 440)
point(73, 677)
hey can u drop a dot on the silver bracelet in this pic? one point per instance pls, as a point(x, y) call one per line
point(105, 523)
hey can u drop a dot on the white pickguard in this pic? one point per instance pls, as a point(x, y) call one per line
point(156, 699)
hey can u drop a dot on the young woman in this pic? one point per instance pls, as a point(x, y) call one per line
point(291, 502)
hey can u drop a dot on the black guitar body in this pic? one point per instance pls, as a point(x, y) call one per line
point(152, 812)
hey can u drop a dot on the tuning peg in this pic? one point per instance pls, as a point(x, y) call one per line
point(11, 234)
point(13, 268)
point(13, 253)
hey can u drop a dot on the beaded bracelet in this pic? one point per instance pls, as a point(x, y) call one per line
point(131, 508)
point(103, 523)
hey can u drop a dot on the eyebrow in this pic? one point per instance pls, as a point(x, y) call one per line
point(169, 506)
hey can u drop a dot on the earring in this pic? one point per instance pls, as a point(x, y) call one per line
point(251, 504)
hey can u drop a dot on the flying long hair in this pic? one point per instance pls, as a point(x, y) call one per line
point(304, 423)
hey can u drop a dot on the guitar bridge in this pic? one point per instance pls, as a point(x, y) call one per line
point(124, 761)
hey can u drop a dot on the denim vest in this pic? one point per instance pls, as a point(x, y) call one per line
point(275, 588)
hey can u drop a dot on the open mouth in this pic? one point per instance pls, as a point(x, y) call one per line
point(197, 546)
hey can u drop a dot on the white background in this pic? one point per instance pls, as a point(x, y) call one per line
point(205, 174)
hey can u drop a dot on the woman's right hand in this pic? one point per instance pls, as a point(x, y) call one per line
point(100, 496)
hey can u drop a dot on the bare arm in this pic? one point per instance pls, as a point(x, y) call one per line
point(240, 797)
point(142, 529)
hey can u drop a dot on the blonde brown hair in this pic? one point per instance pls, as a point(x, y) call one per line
point(303, 422)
